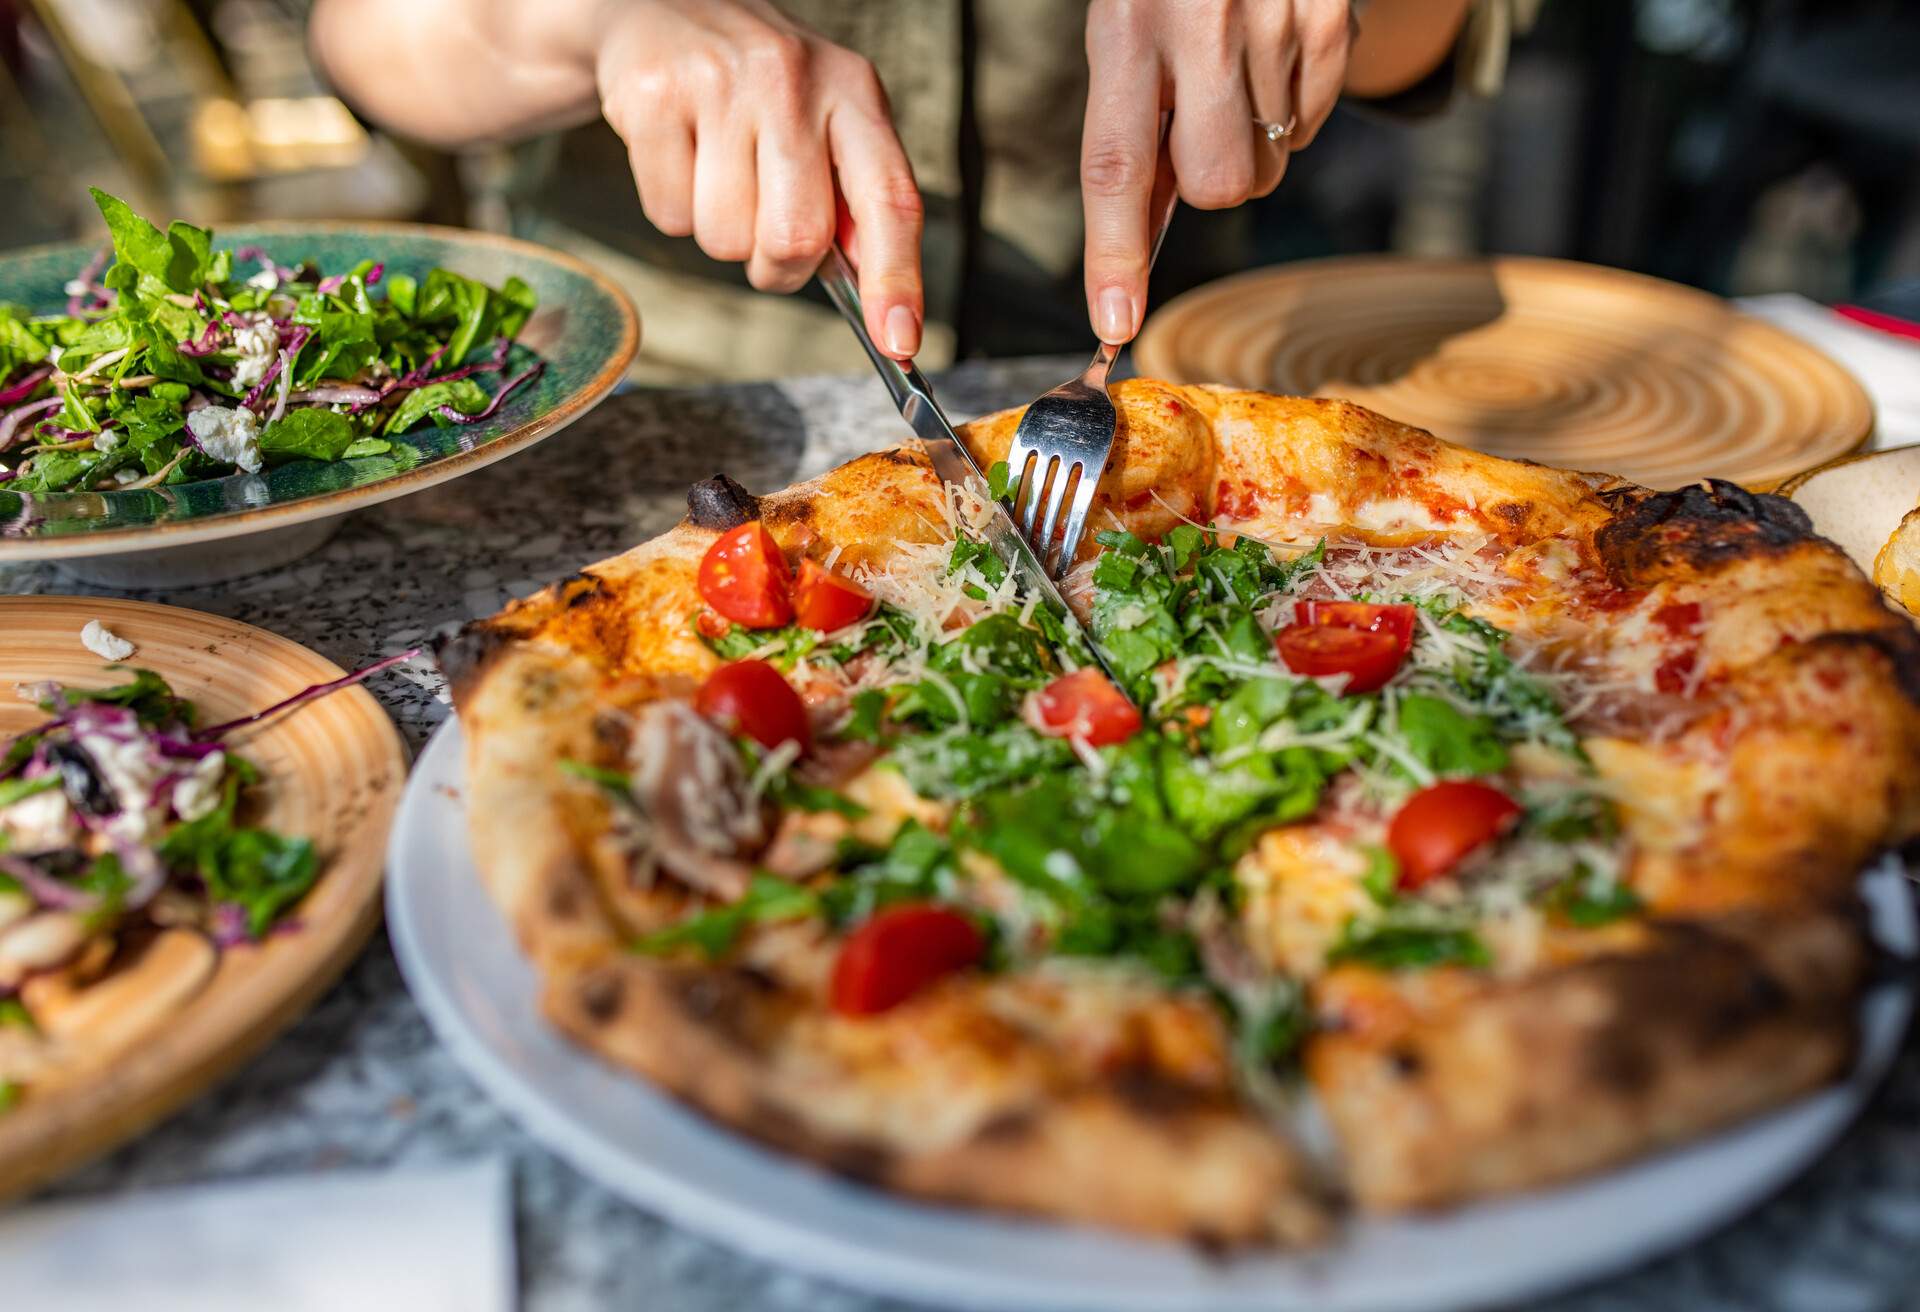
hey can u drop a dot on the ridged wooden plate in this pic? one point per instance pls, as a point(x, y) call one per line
point(334, 770)
point(1568, 364)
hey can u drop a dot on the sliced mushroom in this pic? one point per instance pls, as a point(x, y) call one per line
point(689, 784)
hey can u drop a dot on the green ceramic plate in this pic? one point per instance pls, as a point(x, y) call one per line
point(585, 329)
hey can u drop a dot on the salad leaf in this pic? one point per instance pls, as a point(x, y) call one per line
point(260, 872)
point(713, 932)
point(1447, 740)
point(308, 435)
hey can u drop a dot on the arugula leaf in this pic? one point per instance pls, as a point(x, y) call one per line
point(13, 1012)
point(1382, 877)
point(917, 865)
point(147, 695)
point(999, 481)
point(1413, 940)
point(613, 780)
point(952, 764)
point(14, 790)
point(9, 1096)
point(1447, 740)
point(715, 931)
point(866, 717)
point(261, 872)
point(307, 435)
point(1587, 901)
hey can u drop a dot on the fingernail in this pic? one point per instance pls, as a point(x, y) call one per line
point(1113, 315)
point(903, 331)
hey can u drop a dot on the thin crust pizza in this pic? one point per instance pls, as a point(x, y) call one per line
point(1513, 817)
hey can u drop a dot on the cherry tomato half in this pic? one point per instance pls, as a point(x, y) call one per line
point(827, 601)
point(1439, 825)
point(1397, 620)
point(745, 578)
point(1086, 705)
point(900, 951)
point(1367, 657)
point(750, 697)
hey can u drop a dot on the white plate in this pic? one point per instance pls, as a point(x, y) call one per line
point(479, 994)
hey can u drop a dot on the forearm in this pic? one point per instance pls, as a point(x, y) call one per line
point(463, 72)
point(1400, 42)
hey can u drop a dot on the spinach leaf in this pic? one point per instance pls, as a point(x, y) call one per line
point(463, 394)
point(307, 435)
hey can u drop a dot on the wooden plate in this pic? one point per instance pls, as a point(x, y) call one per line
point(1568, 364)
point(334, 770)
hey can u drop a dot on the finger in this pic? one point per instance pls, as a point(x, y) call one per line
point(794, 220)
point(1119, 146)
point(1270, 60)
point(663, 171)
point(1326, 40)
point(1212, 141)
point(725, 189)
point(884, 204)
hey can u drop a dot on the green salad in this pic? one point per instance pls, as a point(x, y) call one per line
point(174, 361)
point(1069, 815)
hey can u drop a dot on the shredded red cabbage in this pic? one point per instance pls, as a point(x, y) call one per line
point(506, 389)
point(306, 695)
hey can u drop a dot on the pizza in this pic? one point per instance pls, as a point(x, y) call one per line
point(1504, 822)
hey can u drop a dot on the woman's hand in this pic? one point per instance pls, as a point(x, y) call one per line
point(738, 122)
point(1220, 66)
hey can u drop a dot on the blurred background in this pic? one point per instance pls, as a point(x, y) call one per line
point(1742, 146)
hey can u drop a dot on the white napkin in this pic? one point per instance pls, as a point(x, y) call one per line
point(1887, 366)
point(376, 1241)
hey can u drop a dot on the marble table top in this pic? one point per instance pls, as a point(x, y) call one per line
point(361, 1081)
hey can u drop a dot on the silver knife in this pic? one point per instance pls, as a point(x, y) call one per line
point(951, 459)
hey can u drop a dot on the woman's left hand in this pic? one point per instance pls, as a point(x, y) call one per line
point(1224, 67)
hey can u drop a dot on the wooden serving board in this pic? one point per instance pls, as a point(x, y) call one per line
point(333, 769)
point(1567, 364)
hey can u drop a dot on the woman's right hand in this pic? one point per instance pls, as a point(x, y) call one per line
point(739, 124)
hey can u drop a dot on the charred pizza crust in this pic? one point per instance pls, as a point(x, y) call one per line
point(1082, 1101)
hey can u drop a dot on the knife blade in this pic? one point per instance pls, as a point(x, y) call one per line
point(913, 396)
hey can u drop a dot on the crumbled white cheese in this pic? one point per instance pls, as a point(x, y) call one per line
point(104, 642)
point(266, 280)
point(255, 343)
point(122, 477)
point(75, 287)
point(198, 793)
point(107, 439)
point(228, 434)
point(39, 823)
point(129, 769)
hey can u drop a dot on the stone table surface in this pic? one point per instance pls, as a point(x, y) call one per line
point(361, 1082)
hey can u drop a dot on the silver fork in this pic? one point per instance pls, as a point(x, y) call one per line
point(1067, 434)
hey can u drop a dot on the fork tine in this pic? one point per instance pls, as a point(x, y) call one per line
point(1043, 472)
point(1043, 540)
point(1076, 522)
